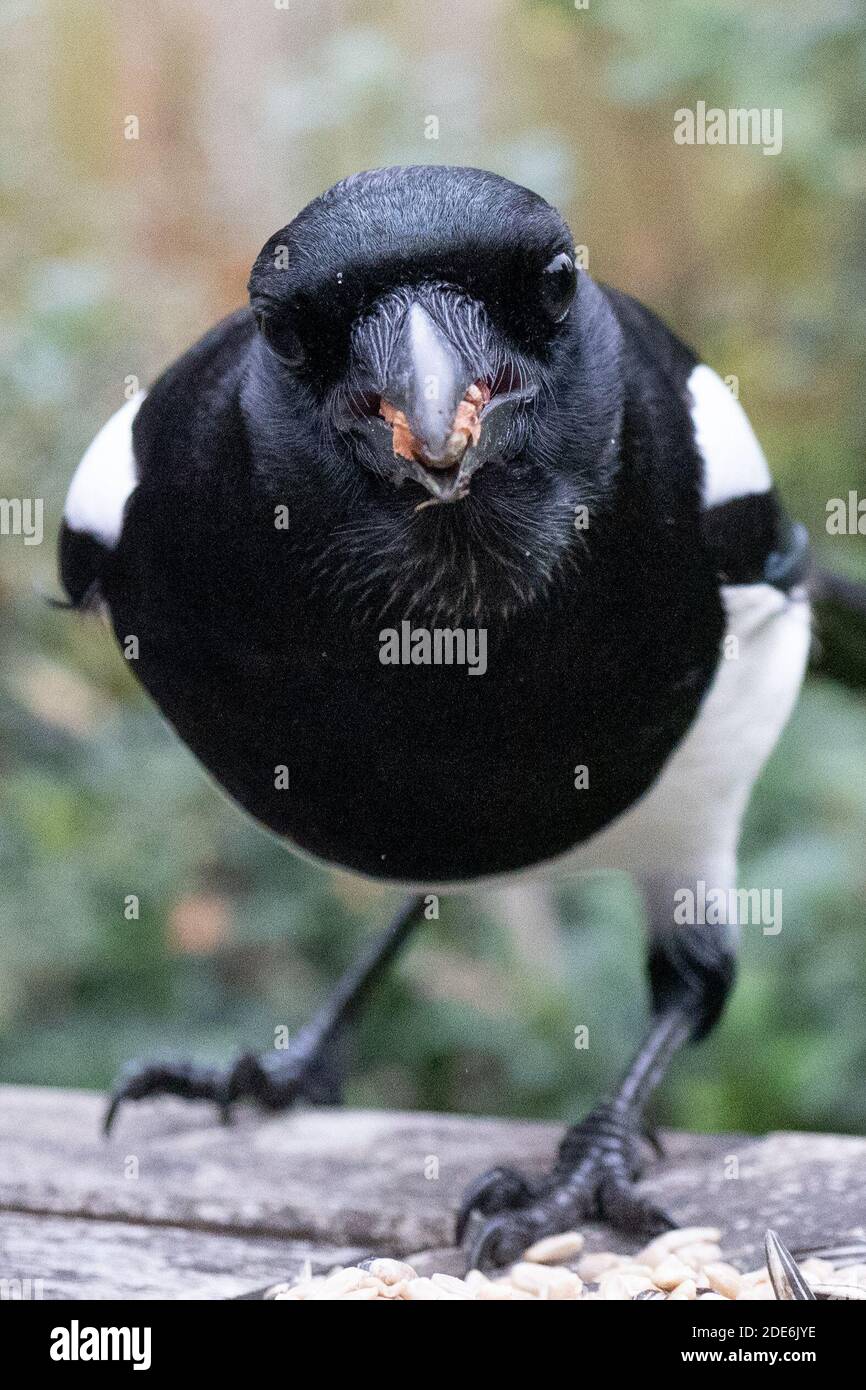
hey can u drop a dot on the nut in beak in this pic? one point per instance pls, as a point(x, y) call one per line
point(465, 430)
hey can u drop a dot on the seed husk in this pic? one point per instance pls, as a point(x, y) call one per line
point(845, 1293)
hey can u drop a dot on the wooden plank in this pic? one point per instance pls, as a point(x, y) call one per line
point(353, 1180)
point(56, 1257)
point(343, 1177)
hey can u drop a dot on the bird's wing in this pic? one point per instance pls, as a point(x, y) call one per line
point(746, 528)
point(753, 539)
point(183, 422)
point(95, 504)
point(689, 821)
point(744, 524)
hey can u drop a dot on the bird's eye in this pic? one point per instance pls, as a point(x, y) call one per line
point(280, 337)
point(558, 284)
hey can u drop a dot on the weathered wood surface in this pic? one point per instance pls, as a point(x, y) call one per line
point(175, 1205)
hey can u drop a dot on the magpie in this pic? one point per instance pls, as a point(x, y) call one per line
point(430, 419)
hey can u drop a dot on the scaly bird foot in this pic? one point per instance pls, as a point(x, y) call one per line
point(594, 1178)
point(274, 1080)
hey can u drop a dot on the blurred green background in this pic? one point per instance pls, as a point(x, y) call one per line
point(120, 252)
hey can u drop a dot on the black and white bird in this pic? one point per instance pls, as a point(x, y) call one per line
point(430, 416)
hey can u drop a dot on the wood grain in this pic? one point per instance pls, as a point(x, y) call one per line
point(175, 1205)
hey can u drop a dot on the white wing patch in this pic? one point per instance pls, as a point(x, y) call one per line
point(104, 478)
point(734, 463)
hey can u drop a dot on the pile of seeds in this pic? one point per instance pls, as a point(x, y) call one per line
point(681, 1264)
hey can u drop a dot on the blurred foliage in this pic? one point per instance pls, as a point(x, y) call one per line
point(120, 252)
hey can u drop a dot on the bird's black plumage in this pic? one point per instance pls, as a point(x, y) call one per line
point(261, 645)
point(556, 470)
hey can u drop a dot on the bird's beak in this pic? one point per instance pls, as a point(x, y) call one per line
point(435, 415)
point(426, 381)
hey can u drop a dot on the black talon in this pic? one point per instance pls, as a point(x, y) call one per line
point(633, 1215)
point(273, 1081)
point(183, 1079)
point(593, 1178)
point(110, 1114)
point(490, 1193)
point(499, 1241)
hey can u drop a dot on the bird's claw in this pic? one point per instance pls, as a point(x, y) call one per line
point(503, 1212)
point(491, 1192)
point(501, 1239)
point(138, 1081)
point(274, 1081)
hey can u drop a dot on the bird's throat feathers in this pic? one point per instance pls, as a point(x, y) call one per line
point(478, 560)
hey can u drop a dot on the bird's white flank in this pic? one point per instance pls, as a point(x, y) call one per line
point(104, 478)
point(734, 463)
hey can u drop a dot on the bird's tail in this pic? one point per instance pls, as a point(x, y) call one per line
point(840, 627)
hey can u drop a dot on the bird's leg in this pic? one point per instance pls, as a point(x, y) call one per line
point(308, 1069)
point(598, 1163)
point(601, 1159)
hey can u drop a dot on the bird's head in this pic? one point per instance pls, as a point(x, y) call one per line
point(430, 328)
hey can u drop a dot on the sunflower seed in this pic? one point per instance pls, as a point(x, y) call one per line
point(699, 1254)
point(424, 1289)
point(619, 1284)
point(681, 1265)
point(540, 1279)
point(456, 1288)
point(663, 1245)
point(554, 1250)
point(591, 1266)
point(722, 1278)
point(671, 1272)
point(389, 1271)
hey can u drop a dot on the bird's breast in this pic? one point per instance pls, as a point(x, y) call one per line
point(428, 758)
